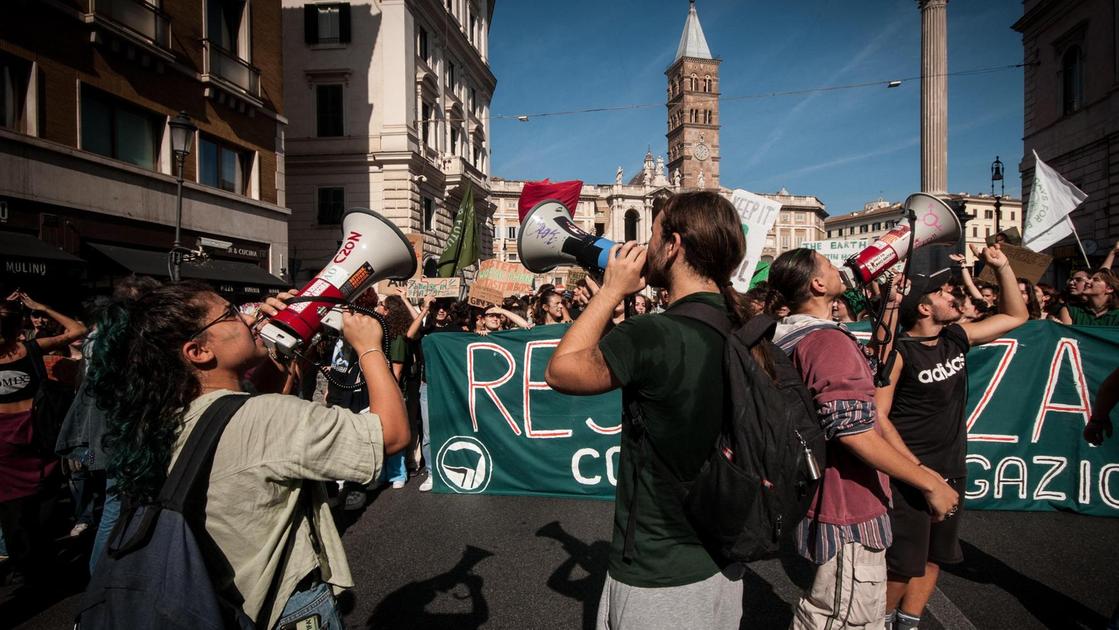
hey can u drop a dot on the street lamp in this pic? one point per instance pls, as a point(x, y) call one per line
point(182, 136)
point(996, 176)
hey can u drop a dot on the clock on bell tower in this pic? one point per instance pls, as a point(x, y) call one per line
point(693, 109)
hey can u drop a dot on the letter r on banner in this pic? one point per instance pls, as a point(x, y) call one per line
point(489, 386)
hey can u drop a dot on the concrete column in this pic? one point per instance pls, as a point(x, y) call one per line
point(934, 95)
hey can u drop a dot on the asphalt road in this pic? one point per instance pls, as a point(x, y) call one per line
point(459, 562)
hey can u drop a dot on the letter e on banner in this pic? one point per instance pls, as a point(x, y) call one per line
point(529, 386)
point(489, 386)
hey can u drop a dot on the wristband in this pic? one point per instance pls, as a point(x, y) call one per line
point(362, 355)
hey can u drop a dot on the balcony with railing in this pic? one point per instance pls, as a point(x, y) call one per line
point(230, 72)
point(139, 21)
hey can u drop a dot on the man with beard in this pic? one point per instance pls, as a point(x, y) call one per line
point(670, 368)
point(925, 401)
point(846, 529)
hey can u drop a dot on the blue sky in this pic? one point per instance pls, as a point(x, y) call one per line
point(846, 147)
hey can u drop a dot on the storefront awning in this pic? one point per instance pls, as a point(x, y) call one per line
point(149, 263)
point(23, 255)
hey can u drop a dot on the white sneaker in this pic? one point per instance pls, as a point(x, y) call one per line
point(426, 485)
point(398, 484)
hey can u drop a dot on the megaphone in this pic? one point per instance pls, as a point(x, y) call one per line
point(935, 224)
point(549, 237)
point(372, 250)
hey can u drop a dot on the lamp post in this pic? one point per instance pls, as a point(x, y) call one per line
point(182, 136)
point(996, 176)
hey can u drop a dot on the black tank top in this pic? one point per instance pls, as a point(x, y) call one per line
point(930, 399)
point(19, 380)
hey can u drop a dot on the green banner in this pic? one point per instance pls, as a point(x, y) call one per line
point(1030, 394)
point(497, 428)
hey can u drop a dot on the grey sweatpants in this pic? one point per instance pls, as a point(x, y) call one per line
point(713, 603)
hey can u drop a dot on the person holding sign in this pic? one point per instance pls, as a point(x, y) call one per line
point(671, 368)
point(925, 401)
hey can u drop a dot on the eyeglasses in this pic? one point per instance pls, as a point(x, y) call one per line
point(231, 312)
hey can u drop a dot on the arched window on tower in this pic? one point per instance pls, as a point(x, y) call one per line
point(695, 83)
point(707, 83)
point(707, 117)
point(631, 225)
point(1072, 80)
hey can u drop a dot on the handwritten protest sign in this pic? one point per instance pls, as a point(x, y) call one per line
point(496, 280)
point(837, 251)
point(758, 214)
point(1026, 263)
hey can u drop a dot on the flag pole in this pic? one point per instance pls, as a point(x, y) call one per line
point(1081, 245)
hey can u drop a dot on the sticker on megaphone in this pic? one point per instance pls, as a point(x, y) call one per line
point(549, 237)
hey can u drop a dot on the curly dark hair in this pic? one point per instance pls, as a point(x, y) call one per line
point(138, 376)
point(397, 316)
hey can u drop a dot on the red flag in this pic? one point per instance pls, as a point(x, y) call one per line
point(534, 192)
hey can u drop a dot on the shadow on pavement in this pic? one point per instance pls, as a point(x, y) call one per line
point(592, 559)
point(1052, 608)
point(67, 576)
point(407, 607)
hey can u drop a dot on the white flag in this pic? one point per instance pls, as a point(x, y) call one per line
point(757, 214)
point(1051, 200)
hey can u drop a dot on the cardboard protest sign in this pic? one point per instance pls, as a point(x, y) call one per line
point(1026, 263)
point(419, 288)
point(496, 280)
point(758, 214)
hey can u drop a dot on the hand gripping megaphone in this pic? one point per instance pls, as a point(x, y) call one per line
point(549, 238)
point(372, 249)
point(935, 224)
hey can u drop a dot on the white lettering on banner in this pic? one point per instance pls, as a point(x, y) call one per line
point(1072, 348)
point(1011, 346)
point(1057, 465)
point(489, 386)
point(1001, 480)
point(1105, 486)
point(981, 483)
point(530, 385)
point(1085, 482)
point(1105, 483)
point(601, 430)
point(577, 458)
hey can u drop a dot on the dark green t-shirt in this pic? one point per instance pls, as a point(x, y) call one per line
point(1083, 317)
point(674, 367)
point(398, 349)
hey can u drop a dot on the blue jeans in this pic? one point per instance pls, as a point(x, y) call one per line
point(316, 600)
point(110, 513)
point(425, 442)
point(395, 469)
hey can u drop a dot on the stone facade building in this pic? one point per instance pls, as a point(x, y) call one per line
point(1071, 115)
point(878, 217)
point(624, 210)
point(389, 104)
point(87, 89)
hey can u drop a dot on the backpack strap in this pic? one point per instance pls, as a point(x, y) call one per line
point(198, 452)
point(712, 316)
point(631, 413)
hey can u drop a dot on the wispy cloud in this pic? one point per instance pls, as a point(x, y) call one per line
point(846, 159)
point(866, 52)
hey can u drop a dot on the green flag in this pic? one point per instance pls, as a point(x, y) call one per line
point(462, 245)
point(761, 273)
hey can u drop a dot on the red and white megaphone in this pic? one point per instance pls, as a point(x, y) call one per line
point(936, 224)
point(372, 249)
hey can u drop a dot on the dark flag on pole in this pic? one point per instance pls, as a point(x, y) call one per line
point(462, 245)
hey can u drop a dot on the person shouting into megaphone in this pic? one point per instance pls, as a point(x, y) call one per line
point(161, 361)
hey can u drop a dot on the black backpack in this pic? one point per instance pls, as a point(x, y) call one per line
point(153, 573)
point(763, 471)
point(49, 406)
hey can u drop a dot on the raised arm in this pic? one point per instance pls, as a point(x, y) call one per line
point(364, 334)
point(413, 332)
point(72, 329)
point(577, 366)
point(965, 276)
point(1110, 260)
point(1012, 308)
point(517, 320)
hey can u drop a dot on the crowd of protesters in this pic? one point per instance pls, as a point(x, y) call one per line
point(60, 379)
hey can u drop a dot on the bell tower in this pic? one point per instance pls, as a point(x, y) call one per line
point(693, 109)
